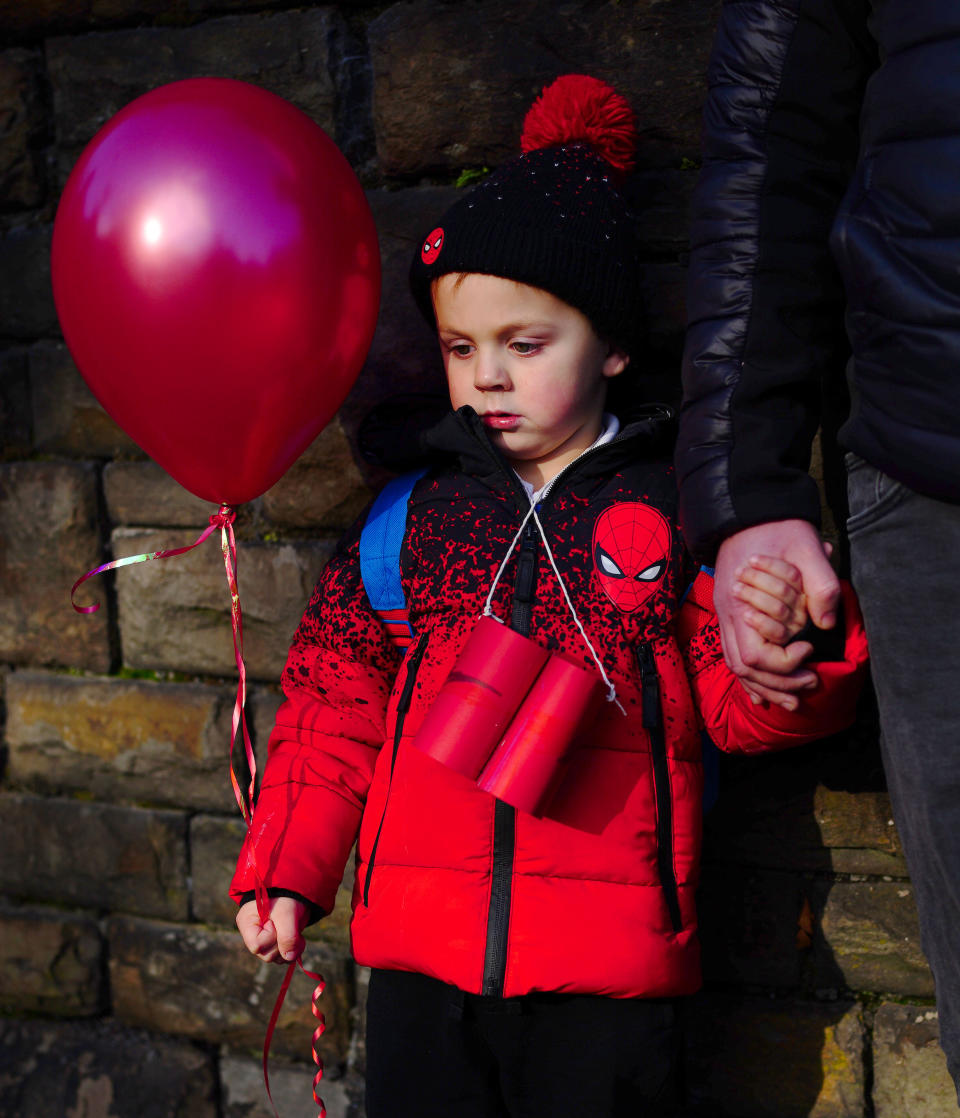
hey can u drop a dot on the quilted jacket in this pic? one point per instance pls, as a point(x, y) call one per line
point(598, 896)
point(829, 125)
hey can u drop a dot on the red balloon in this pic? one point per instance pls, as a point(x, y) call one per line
point(216, 273)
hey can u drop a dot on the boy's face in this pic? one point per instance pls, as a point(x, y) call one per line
point(530, 365)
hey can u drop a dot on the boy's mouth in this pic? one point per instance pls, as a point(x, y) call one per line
point(500, 421)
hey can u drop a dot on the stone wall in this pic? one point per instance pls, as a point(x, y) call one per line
point(123, 987)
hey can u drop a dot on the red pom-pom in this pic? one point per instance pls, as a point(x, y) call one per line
point(580, 109)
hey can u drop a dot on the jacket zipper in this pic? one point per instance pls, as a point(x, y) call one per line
point(403, 705)
point(653, 723)
point(505, 816)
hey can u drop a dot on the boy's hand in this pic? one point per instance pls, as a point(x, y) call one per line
point(278, 939)
point(768, 671)
point(772, 591)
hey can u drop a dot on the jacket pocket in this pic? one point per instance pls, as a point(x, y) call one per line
point(653, 724)
point(403, 705)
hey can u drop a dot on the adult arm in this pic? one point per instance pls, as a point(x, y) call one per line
point(764, 301)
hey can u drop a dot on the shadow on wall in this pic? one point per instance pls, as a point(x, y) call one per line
point(777, 1032)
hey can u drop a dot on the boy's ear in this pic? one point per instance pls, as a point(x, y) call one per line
point(615, 362)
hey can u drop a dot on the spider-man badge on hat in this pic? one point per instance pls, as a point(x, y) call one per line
point(431, 247)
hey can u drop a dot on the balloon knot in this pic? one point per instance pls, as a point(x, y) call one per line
point(224, 515)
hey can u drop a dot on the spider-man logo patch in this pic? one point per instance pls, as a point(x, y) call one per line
point(430, 249)
point(631, 550)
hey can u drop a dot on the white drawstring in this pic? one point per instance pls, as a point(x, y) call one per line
point(488, 609)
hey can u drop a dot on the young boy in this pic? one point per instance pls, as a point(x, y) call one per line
point(522, 965)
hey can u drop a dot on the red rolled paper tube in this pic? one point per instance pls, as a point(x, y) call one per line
point(483, 691)
point(530, 761)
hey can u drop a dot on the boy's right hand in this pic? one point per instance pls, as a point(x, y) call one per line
point(772, 592)
point(278, 939)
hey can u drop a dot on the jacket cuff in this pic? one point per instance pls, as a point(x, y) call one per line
point(314, 911)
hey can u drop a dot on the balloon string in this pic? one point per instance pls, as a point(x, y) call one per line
point(317, 1032)
point(228, 546)
point(223, 519)
point(224, 512)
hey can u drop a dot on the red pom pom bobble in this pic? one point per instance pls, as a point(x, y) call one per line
point(579, 109)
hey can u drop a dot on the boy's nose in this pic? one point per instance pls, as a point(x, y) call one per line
point(489, 372)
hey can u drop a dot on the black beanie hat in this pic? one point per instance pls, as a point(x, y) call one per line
point(554, 217)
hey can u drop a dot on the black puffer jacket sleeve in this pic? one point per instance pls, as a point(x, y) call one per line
point(764, 301)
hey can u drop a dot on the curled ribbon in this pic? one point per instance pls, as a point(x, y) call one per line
point(223, 519)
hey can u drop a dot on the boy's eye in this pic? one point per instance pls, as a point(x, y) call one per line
point(525, 348)
point(461, 350)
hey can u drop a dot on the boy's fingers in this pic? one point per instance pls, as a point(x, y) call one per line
point(784, 699)
point(779, 568)
point(770, 584)
point(778, 667)
point(770, 630)
point(290, 917)
point(765, 602)
point(259, 941)
point(767, 682)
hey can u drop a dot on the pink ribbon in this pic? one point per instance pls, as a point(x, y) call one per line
point(223, 519)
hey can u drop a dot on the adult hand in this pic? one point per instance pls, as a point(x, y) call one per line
point(768, 671)
point(277, 939)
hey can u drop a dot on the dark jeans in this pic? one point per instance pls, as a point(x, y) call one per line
point(905, 560)
point(433, 1052)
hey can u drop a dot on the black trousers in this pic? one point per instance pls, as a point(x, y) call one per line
point(434, 1052)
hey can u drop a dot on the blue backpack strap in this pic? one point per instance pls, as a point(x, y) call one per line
point(380, 542)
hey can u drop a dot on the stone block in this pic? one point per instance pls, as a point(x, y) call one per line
point(120, 739)
point(94, 855)
point(16, 429)
point(324, 489)
point(49, 536)
point(910, 1077)
point(432, 61)
point(859, 832)
point(94, 76)
point(97, 1069)
point(244, 1095)
point(21, 129)
point(144, 494)
point(214, 846)
point(175, 614)
point(871, 938)
point(61, 16)
point(756, 1058)
point(26, 297)
point(749, 926)
point(807, 828)
point(50, 963)
point(67, 418)
point(202, 983)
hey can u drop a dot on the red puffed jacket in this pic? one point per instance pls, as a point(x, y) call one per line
point(597, 897)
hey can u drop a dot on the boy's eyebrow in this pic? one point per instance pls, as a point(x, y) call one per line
point(508, 328)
